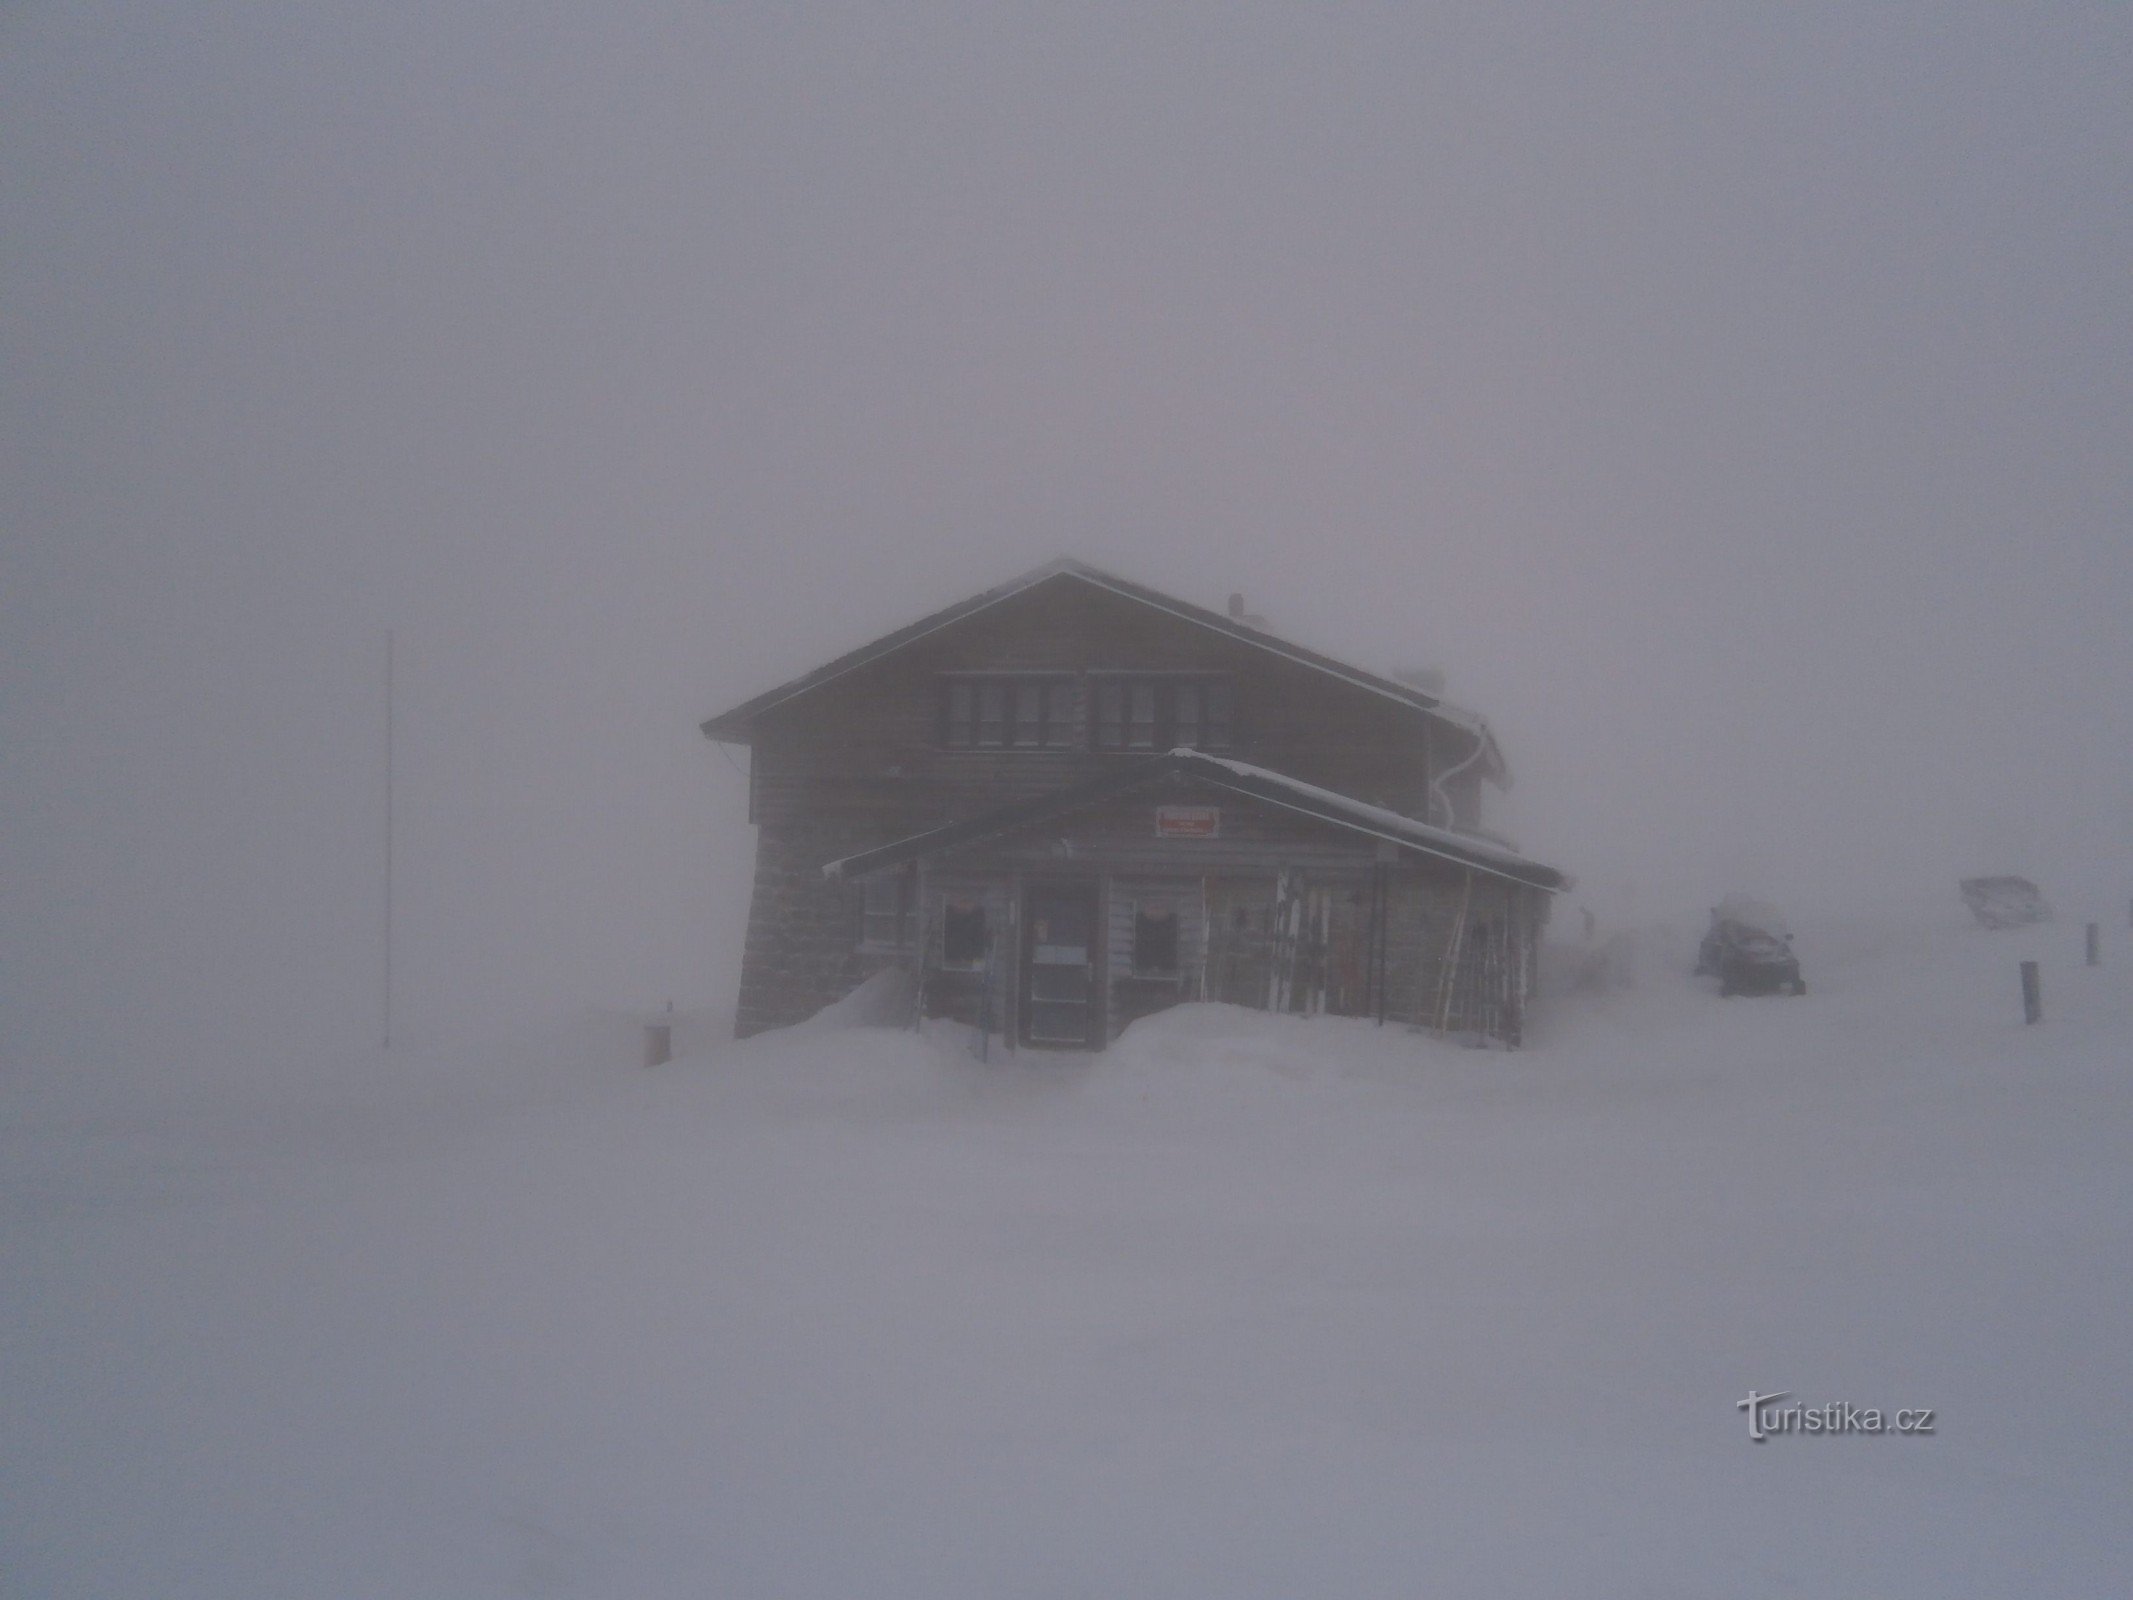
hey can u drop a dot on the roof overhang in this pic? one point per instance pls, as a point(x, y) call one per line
point(737, 725)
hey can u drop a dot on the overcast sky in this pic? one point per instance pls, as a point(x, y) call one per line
point(1735, 401)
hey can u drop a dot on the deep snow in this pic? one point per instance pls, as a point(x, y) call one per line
point(1249, 1306)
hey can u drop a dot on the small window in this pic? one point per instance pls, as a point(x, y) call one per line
point(1217, 704)
point(992, 715)
point(963, 934)
point(1022, 711)
point(1155, 940)
point(1110, 715)
point(1185, 724)
point(881, 922)
point(1060, 732)
point(1161, 712)
point(962, 721)
point(1140, 735)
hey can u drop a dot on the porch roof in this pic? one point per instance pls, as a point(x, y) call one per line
point(1237, 777)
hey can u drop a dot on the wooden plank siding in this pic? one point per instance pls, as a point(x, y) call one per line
point(964, 995)
point(871, 742)
point(859, 762)
point(1131, 995)
point(1230, 947)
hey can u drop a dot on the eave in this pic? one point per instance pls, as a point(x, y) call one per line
point(737, 725)
point(1237, 777)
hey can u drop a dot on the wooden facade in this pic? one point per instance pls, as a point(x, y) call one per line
point(991, 795)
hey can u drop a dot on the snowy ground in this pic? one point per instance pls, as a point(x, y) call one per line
point(1247, 1307)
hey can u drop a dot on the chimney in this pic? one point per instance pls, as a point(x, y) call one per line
point(1236, 608)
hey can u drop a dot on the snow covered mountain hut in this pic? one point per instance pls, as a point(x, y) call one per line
point(1071, 801)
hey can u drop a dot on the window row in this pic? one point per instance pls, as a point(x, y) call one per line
point(966, 936)
point(1123, 713)
point(1011, 713)
point(886, 917)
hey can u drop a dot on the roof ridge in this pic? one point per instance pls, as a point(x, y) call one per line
point(739, 719)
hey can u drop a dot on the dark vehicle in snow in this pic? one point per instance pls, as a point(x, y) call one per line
point(2004, 902)
point(1749, 950)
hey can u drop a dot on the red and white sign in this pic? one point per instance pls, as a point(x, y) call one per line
point(1188, 822)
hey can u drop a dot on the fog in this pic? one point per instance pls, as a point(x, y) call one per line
point(1736, 403)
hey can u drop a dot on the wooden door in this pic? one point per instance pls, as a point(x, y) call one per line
point(1059, 965)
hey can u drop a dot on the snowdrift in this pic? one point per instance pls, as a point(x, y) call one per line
point(1247, 1306)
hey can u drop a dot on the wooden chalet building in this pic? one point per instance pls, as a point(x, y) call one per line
point(1071, 801)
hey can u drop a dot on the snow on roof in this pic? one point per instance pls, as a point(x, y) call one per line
point(1382, 819)
point(1259, 783)
point(736, 725)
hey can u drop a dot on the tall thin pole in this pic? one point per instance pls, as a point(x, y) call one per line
point(387, 996)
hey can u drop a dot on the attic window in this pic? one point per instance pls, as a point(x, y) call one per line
point(992, 714)
point(1062, 716)
point(1162, 713)
point(1186, 720)
point(1010, 713)
point(1140, 716)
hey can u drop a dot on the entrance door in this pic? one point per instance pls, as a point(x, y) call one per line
point(1059, 968)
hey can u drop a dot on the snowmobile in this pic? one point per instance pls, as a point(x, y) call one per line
point(1748, 950)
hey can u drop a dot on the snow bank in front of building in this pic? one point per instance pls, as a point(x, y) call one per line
point(1225, 1048)
point(888, 999)
point(1248, 1306)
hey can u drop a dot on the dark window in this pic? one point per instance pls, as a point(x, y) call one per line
point(1140, 729)
point(1110, 715)
point(881, 922)
point(1060, 730)
point(1019, 713)
point(963, 934)
point(1217, 704)
point(1162, 713)
point(961, 731)
point(1155, 940)
point(1029, 715)
point(1185, 720)
point(1045, 711)
point(992, 715)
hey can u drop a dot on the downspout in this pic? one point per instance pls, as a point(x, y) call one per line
point(1437, 783)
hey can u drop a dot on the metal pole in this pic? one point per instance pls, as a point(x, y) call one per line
point(1448, 976)
point(2032, 993)
point(387, 996)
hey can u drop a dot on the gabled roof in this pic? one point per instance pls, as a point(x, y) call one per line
point(737, 726)
point(1238, 777)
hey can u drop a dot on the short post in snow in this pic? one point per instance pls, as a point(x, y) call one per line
point(2032, 993)
point(2095, 945)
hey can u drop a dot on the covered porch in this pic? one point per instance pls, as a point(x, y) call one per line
point(1056, 924)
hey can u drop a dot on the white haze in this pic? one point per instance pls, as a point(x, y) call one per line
point(1737, 402)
